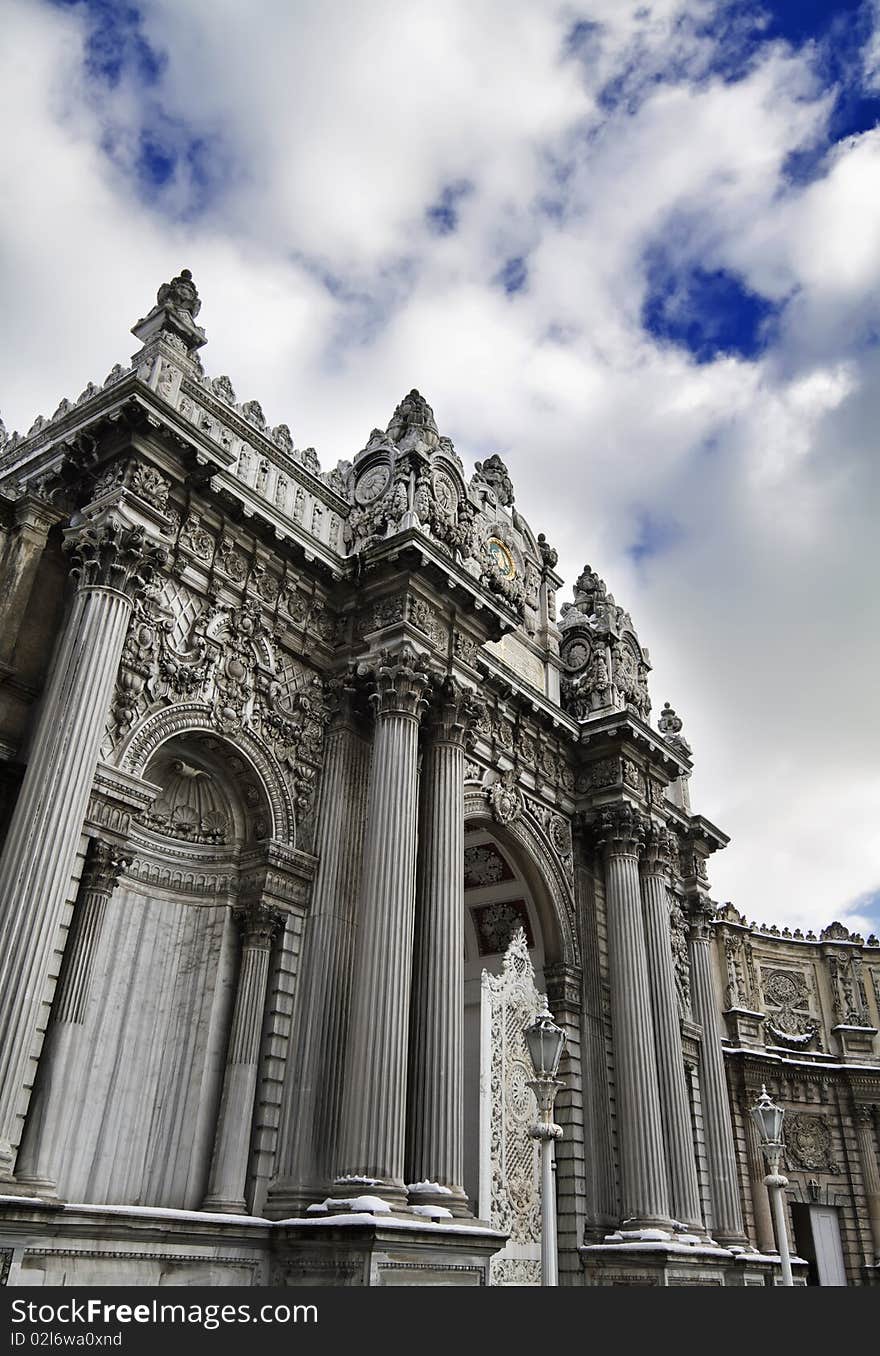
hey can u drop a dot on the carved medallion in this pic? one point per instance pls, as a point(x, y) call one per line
point(372, 484)
point(808, 1142)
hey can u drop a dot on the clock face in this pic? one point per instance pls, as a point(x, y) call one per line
point(502, 558)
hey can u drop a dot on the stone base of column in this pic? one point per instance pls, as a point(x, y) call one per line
point(662, 1262)
point(434, 1196)
point(359, 1251)
point(392, 1193)
point(286, 1199)
point(30, 1187)
point(216, 1206)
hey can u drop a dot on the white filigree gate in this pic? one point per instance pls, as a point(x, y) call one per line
point(510, 1175)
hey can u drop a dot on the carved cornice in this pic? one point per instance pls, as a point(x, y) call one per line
point(111, 555)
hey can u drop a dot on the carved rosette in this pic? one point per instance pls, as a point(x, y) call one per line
point(258, 925)
point(104, 866)
point(114, 556)
point(620, 830)
point(400, 684)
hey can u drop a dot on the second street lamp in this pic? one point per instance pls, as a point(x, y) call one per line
point(768, 1119)
point(545, 1041)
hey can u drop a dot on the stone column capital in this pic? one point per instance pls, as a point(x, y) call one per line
point(110, 554)
point(865, 1113)
point(700, 913)
point(258, 924)
point(104, 865)
point(36, 515)
point(400, 682)
point(619, 830)
point(659, 852)
point(453, 711)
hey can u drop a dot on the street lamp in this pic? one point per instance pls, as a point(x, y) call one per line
point(768, 1119)
point(545, 1041)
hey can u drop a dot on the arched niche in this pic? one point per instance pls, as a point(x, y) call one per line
point(506, 886)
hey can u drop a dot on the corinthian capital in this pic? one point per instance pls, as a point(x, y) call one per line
point(258, 924)
point(659, 852)
point(620, 829)
point(111, 555)
point(104, 866)
point(454, 709)
point(400, 682)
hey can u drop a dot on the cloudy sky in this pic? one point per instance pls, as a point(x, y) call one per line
point(632, 247)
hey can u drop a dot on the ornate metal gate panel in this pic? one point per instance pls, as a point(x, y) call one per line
point(510, 1176)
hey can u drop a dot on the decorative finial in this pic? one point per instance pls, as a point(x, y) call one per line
point(177, 305)
point(494, 473)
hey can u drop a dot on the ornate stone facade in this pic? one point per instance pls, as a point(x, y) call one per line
point(307, 796)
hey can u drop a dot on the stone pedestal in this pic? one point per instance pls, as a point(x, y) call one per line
point(374, 1117)
point(227, 1185)
point(111, 563)
point(674, 1100)
point(365, 1250)
point(435, 1119)
point(644, 1195)
point(308, 1150)
point(63, 1060)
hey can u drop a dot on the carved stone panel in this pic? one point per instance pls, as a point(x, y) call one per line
point(510, 1190)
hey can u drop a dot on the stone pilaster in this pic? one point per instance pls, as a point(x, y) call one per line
point(33, 519)
point(62, 1058)
point(644, 1193)
point(764, 1236)
point(866, 1132)
point(111, 564)
point(674, 1100)
point(727, 1224)
point(308, 1151)
point(227, 1185)
point(375, 1086)
point(435, 1118)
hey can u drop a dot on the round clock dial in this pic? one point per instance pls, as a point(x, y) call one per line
point(502, 558)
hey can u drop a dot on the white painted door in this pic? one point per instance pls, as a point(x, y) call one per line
point(826, 1240)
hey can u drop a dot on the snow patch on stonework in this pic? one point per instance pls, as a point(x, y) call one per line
point(434, 1188)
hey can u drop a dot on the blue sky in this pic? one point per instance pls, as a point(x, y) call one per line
point(633, 247)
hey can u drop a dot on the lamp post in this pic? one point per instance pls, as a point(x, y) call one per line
point(768, 1119)
point(545, 1041)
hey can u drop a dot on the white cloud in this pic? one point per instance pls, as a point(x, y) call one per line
point(336, 128)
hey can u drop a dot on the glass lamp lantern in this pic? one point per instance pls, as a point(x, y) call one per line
point(545, 1041)
point(768, 1119)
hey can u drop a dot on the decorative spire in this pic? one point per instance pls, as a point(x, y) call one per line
point(494, 473)
point(412, 425)
point(177, 305)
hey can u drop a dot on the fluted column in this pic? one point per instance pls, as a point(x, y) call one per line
point(866, 1132)
point(227, 1185)
point(674, 1100)
point(727, 1224)
point(764, 1236)
point(111, 563)
point(435, 1117)
point(310, 1126)
point(375, 1086)
point(643, 1183)
point(33, 519)
point(61, 1061)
